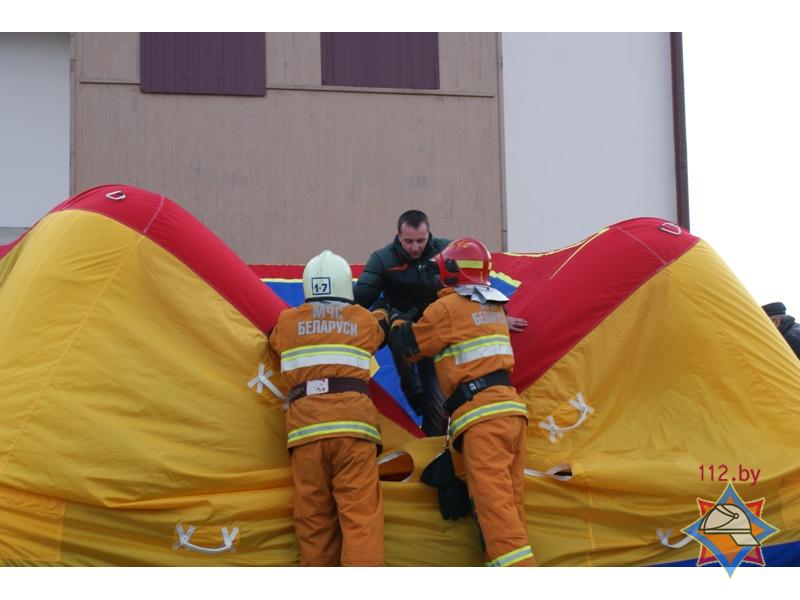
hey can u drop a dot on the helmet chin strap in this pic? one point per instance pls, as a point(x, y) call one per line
point(451, 265)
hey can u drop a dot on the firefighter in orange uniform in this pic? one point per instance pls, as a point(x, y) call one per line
point(325, 346)
point(465, 330)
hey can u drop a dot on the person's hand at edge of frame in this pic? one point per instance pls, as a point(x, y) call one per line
point(516, 324)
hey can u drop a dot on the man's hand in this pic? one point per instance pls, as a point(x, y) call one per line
point(516, 324)
point(380, 304)
point(397, 315)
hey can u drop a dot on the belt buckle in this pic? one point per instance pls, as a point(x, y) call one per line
point(476, 385)
point(316, 386)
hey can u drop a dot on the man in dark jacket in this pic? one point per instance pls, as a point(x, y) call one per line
point(399, 271)
point(790, 330)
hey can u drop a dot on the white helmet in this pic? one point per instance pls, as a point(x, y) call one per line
point(327, 276)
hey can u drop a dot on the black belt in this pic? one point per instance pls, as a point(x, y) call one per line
point(468, 389)
point(329, 385)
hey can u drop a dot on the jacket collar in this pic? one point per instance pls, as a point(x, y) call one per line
point(787, 322)
point(481, 293)
point(476, 293)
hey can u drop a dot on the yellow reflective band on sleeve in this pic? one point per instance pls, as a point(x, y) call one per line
point(487, 410)
point(511, 558)
point(327, 354)
point(337, 427)
point(475, 348)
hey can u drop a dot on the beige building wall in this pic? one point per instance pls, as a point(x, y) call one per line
point(307, 167)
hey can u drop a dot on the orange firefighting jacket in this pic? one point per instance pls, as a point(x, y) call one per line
point(467, 340)
point(324, 339)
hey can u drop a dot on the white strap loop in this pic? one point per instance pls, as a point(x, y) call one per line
point(556, 432)
point(663, 537)
point(551, 473)
point(671, 228)
point(262, 379)
point(184, 538)
point(116, 195)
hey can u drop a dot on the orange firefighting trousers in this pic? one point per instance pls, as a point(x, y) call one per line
point(494, 458)
point(338, 505)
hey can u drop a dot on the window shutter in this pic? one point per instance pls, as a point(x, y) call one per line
point(203, 63)
point(393, 60)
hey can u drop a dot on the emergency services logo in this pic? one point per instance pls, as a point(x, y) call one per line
point(730, 531)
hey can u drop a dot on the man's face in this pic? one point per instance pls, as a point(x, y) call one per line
point(776, 321)
point(413, 240)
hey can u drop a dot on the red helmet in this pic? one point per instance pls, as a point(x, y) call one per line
point(464, 261)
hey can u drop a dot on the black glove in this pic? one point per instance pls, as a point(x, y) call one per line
point(380, 303)
point(396, 314)
point(429, 275)
point(454, 499)
point(417, 403)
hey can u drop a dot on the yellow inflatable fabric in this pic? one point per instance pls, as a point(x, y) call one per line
point(139, 426)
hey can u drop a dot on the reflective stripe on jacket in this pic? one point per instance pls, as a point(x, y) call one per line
point(478, 347)
point(468, 339)
point(324, 354)
point(512, 558)
point(326, 339)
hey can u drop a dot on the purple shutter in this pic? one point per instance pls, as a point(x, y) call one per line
point(203, 63)
point(395, 60)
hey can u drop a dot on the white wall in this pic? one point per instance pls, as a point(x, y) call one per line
point(743, 124)
point(34, 125)
point(588, 134)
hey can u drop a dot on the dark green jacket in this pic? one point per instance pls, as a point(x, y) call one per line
point(392, 271)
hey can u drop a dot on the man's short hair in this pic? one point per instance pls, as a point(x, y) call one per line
point(412, 218)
